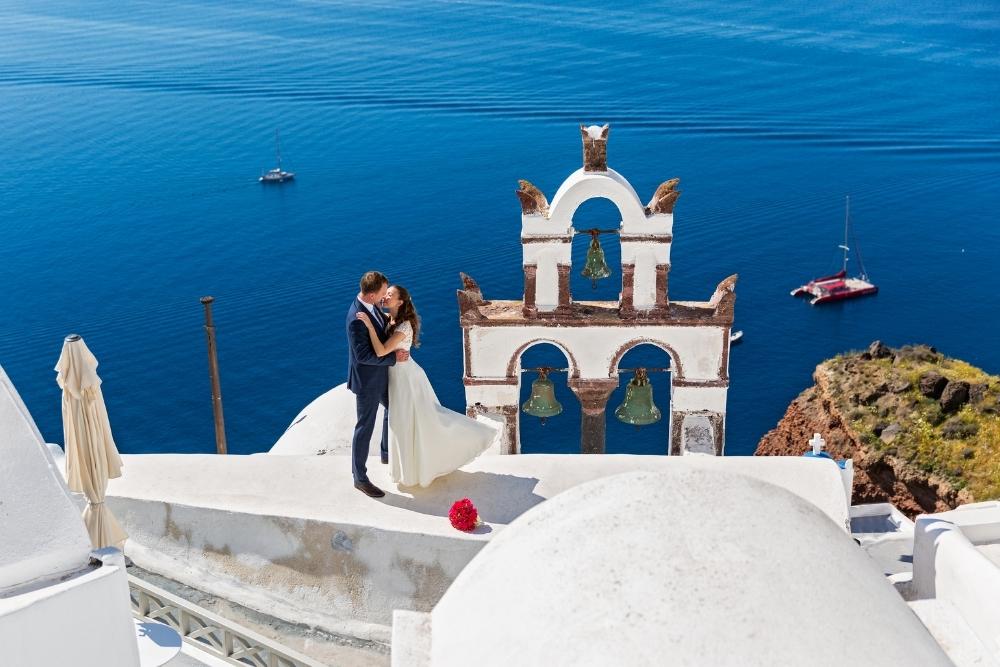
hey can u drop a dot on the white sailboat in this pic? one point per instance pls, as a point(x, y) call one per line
point(276, 175)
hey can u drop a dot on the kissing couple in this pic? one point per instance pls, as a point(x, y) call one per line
point(421, 439)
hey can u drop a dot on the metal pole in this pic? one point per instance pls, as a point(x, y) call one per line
point(213, 371)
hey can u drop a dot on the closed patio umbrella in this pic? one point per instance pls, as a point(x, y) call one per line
point(91, 456)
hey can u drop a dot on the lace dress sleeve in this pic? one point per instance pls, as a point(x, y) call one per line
point(407, 331)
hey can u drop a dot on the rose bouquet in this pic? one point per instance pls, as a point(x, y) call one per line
point(464, 516)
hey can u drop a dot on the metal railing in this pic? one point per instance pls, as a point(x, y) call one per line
point(217, 636)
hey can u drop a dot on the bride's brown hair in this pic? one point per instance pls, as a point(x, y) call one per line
point(406, 313)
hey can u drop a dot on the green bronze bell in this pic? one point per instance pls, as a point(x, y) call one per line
point(595, 267)
point(638, 408)
point(542, 402)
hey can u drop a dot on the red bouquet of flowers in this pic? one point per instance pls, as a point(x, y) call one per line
point(464, 516)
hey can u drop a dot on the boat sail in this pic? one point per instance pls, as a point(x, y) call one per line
point(276, 175)
point(838, 286)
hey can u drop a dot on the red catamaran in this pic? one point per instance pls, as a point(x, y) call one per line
point(838, 286)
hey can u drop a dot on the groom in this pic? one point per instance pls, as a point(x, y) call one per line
point(368, 376)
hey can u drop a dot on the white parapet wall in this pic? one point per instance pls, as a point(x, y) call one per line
point(956, 561)
point(291, 537)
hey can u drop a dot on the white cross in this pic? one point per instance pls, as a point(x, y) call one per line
point(817, 443)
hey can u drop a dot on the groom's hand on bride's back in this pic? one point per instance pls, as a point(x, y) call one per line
point(402, 355)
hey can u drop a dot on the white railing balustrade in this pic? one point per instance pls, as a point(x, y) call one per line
point(210, 632)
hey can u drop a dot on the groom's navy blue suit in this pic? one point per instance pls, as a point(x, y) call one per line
point(368, 378)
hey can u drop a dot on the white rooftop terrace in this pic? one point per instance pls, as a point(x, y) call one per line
point(291, 536)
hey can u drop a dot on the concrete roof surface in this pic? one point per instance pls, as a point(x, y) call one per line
point(501, 487)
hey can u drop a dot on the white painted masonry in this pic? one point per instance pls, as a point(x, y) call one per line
point(695, 352)
point(55, 609)
point(558, 230)
point(42, 532)
point(290, 536)
point(643, 568)
point(83, 620)
point(594, 335)
point(956, 564)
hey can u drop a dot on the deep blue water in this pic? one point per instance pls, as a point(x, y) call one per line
point(132, 135)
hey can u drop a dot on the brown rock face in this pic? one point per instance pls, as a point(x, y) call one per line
point(879, 350)
point(879, 475)
point(954, 396)
point(932, 384)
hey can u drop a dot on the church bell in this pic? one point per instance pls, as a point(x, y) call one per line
point(542, 403)
point(638, 408)
point(595, 267)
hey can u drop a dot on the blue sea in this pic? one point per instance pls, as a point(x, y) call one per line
point(132, 135)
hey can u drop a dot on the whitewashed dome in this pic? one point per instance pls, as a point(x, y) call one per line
point(684, 567)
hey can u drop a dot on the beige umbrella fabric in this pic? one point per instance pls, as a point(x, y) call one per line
point(91, 456)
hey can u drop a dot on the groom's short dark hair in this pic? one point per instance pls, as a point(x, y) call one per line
point(372, 282)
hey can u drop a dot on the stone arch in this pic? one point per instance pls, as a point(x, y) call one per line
point(602, 213)
point(574, 367)
point(582, 186)
point(676, 369)
point(595, 200)
point(570, 215)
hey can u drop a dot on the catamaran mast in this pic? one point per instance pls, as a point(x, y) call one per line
point(847, 218)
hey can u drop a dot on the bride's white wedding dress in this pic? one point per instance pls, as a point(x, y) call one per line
point(427, 440)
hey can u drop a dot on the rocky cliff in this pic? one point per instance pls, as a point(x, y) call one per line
point(923, 429)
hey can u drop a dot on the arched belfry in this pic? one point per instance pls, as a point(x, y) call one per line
point(595, 335)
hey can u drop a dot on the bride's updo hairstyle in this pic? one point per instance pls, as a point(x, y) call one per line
point(407, 313)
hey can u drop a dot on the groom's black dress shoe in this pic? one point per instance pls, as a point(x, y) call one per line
point(369, 489)
point(385, 461)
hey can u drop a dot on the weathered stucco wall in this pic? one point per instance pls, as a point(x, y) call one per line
point(344, 577)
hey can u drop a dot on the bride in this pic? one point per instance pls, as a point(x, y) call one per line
point(426, 440)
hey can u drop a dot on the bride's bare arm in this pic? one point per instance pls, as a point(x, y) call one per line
point(381, 349)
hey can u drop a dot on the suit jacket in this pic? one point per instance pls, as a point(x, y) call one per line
point(366, 372)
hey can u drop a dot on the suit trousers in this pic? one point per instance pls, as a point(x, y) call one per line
point(367, 405)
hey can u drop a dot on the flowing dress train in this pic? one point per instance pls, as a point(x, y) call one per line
point(427, 440)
